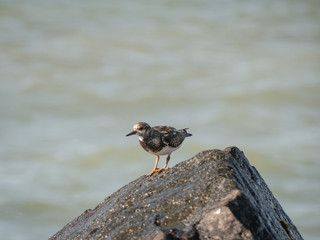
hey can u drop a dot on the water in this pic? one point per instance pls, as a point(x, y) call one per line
point(76, 75)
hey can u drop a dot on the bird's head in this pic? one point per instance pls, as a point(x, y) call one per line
point(139, 129)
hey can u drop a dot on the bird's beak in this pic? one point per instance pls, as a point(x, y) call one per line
point(132, 133)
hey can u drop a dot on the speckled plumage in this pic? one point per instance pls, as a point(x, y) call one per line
point(159, 140)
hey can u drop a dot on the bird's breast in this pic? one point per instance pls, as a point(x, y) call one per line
point(165, 151)
point(156, 146)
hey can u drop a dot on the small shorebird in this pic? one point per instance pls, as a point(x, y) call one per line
point(159, 140)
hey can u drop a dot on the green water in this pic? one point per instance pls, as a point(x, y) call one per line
point(76, 75)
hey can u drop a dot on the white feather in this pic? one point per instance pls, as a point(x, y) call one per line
point(165, 151)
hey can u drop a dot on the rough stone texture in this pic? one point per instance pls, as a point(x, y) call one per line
point(214, 195)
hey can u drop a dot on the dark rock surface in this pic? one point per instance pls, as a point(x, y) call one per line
point(214, 195)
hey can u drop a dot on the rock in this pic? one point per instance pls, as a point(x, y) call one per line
point(214, 195)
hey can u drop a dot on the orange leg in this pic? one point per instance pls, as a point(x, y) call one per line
point(155, 168)
point(166, 165)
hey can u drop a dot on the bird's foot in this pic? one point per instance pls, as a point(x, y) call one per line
point(162, 169)
point(153, 171)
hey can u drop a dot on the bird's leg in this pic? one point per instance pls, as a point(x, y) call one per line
point(166, 165)
point(155, 167)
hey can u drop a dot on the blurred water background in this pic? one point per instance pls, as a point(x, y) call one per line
point(76, 75)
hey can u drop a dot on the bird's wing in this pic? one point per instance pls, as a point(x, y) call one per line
point(164, 129)
point(173, 139)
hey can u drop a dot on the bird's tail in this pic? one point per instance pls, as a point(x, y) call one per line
point(185, 133)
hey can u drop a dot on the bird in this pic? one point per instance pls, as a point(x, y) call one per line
point(159, 140)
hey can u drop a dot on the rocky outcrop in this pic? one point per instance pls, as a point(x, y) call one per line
point(214, 195)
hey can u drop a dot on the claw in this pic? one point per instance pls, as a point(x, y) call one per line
point(162, 169)
point(153, 171)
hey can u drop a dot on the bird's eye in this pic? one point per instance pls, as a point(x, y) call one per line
point(140, 128)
